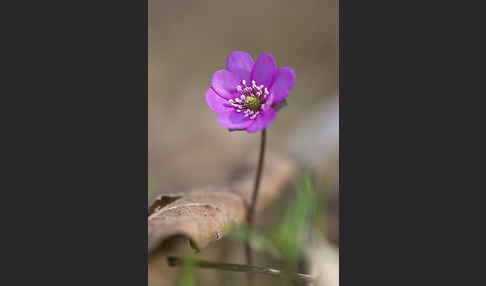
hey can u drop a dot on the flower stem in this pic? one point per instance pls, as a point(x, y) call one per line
point(176, 261)
point(251, 211)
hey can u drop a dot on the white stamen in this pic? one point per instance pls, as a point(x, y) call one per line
point(253, 83)
point(243, 96)
point(237, 99)
point(259, 93)
point(238, 88)
point(246, 115)
point(238, 110)
point(261, 86)
point(266, 91)
point(230, 101)
point(243, 82)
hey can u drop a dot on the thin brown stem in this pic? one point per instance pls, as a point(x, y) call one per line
point(176, 261)
point(251, 211)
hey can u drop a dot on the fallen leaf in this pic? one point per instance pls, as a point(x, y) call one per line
point(201, 215)
point(160, 202)
point(204, 215)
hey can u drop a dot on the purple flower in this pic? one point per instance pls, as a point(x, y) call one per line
point(244, 92)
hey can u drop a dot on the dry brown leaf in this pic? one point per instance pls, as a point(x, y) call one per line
point(204, 215)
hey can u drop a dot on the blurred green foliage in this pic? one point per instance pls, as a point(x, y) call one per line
point(187, 275)
point(288, 235)
point(284, 241)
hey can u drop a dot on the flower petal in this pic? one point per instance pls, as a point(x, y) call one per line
point(224, 83)
point(240, 63)
point(264, 69)
point(263, 121)
point(268, 101)
point(216, 102)
point(234, 120)
point(283, 82)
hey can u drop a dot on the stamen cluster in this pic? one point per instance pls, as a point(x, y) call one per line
point(252, 99)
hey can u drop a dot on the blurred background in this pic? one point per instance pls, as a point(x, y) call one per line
point(190, 40)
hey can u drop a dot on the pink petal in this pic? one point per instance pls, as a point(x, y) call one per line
point(224, 83)
point(264, 70)
point(234, 120)
point(263, 121)
point(240, 63)
point(283, 82)
point(216, 102)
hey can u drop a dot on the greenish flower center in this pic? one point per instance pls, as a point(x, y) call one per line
point(252, 102)
point(252, 99)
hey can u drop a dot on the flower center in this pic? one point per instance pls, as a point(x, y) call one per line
point(252, 102)
point(252, 99)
